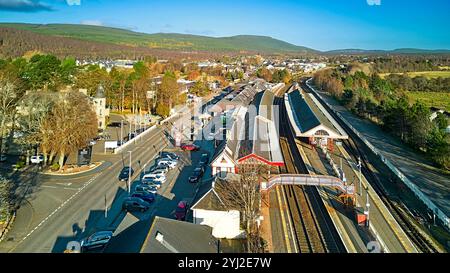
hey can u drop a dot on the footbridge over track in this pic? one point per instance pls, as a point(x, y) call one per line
point(309, 180)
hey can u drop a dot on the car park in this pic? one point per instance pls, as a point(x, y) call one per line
point(97, 240)
point(135, 204)
point(196, 175)
point(125, 173)
point(147, 197)
point(37, 159)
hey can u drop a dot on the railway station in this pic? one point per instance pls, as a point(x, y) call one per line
point(251, 138)
point(310, 122)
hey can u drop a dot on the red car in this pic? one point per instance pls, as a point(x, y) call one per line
point(190, 147)
point(181, 210)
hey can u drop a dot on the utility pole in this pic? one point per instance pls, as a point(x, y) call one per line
point(359, 176)
point(129, 176)
point(368, 207)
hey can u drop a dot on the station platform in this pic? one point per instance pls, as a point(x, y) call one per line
point(383, 226)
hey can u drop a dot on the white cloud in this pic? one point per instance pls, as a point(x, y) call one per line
point(92, 22)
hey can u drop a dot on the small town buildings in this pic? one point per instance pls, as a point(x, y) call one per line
point(210, 209)
point(99, 106)
point(172, 236)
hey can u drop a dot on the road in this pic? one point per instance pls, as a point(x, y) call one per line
point(57, 211)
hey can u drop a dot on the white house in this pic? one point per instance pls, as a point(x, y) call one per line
point(210, 210)
point(99, 106)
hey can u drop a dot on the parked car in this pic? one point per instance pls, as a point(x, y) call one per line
point(171, 163)
point(204, 160)
point(135, 204)
point(156, 177)
point(125, 173)
point(160, 167)
point(36, 159)
point(97, 240)
point(151, 182)
point(190, 147)
point(196, 175)
point(3, 158)
point(147, 197)
point(181, 211)
point(147, 188)
point(160, 172)
point(169, 155)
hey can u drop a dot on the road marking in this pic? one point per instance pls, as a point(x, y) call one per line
point(56, 210)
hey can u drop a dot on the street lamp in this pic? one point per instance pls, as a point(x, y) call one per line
point(129, 175)
point(121, 132)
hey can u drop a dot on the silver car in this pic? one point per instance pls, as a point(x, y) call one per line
point(97, 240)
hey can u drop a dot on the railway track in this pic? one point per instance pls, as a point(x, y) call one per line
point(419, 240)
point(312, 229)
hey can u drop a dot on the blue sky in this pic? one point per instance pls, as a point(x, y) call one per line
point(319, 24)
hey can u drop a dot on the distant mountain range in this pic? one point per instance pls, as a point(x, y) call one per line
point(184, 42)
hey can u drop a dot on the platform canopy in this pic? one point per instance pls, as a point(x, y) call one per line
point(309, 119)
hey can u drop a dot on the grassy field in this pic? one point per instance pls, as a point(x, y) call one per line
point(439, 100)
point(427, 74)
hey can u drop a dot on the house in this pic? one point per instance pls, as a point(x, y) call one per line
point(99, 103)
point(172, 236)
point(210, 209)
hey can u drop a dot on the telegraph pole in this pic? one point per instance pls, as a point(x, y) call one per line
point(368, 207)
point(359, 176)
point(129, 176)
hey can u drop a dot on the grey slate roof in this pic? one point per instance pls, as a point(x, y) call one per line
point(179, 237)
point(305, 117)
point(100, 94)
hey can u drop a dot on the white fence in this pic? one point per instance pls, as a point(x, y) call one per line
point(438, 212)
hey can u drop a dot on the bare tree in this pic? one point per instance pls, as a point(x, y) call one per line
point(244, 194)
point(8, 99)
point(71, 124)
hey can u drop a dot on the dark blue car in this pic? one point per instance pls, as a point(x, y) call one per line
point(125, 173)
point(147, 197)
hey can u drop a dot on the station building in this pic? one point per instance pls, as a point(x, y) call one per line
point(251, 138)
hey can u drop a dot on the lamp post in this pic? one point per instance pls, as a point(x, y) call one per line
point(121, 132)
point(129, 176)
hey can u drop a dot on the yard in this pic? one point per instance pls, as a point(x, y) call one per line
point(432, 99)
point(427, 74)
